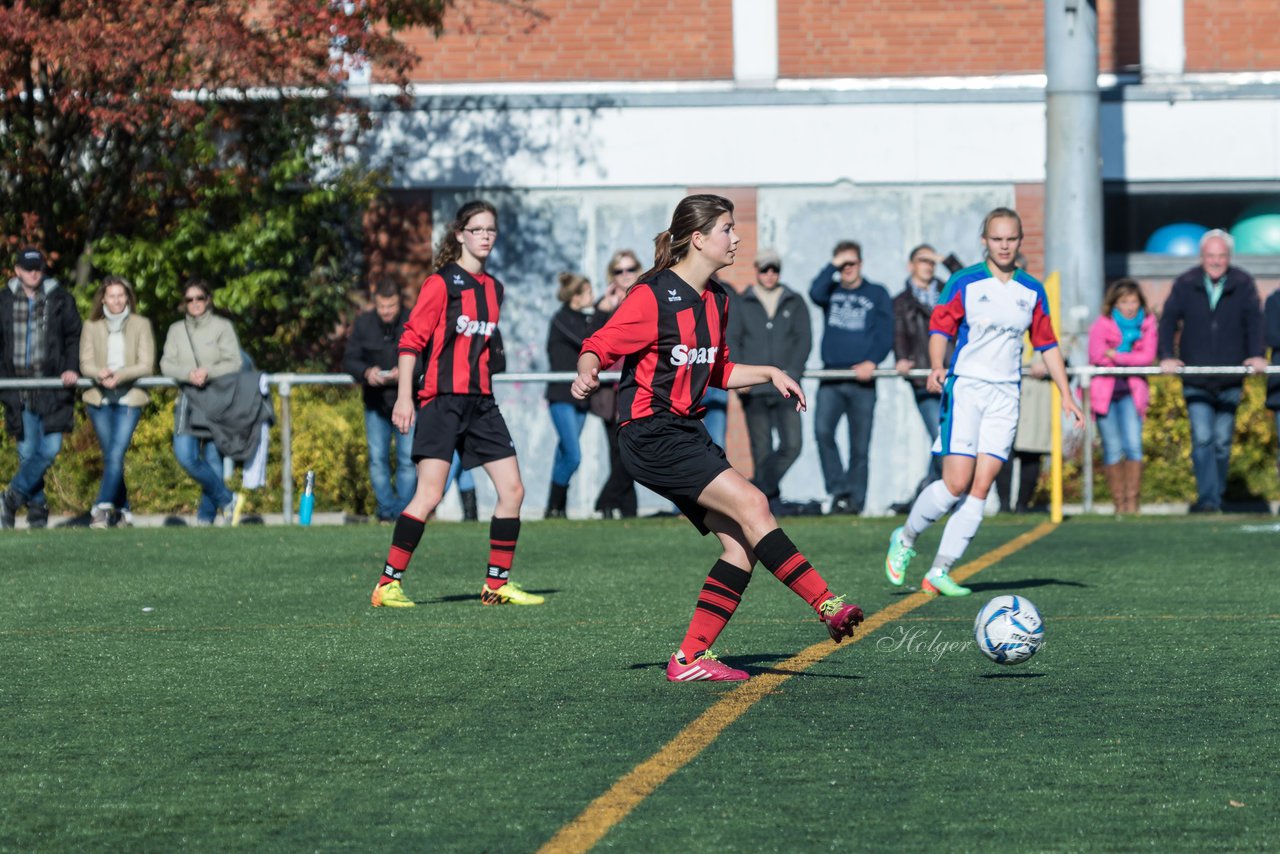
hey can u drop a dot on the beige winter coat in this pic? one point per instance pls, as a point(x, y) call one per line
point(217, 349)
point(139, 356)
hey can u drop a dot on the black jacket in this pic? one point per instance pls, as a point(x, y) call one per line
point(565, 335)
point(754, 339)
point(1226, 335)
point(1273, 341)
point(62, 353)
point(911, 330)
point(374, 344)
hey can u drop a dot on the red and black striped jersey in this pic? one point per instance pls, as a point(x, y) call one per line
point(673, 340)
point(451, 326)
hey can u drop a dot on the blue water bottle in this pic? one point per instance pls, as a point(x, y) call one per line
point(308, 501)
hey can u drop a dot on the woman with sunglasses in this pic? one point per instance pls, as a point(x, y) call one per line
point(618, 495)
point(452, 325)
point(200, 347)
point(670, 330)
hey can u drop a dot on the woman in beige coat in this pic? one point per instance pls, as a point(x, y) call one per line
point(116, 348)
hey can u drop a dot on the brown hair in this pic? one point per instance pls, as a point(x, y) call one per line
point(1120, 288)
point(97, 312)
point(387, 288)
point(449, 250)
point(694, 213)
point(847, 245)
point(571, 284)
point(1001, 213)
point(200, 285)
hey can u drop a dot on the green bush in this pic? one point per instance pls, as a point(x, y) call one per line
point(328, 438)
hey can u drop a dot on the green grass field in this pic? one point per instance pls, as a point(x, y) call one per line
point(232, 690)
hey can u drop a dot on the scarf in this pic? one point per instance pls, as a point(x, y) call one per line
point(28, 327)
point(115, 337)
point(1130, 330)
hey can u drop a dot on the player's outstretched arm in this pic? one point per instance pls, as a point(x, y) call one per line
point(744, 376)
point(1058, 372)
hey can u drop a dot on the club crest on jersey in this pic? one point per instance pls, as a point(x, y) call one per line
point(682, 355)
point(468, 327)
point(673, 296)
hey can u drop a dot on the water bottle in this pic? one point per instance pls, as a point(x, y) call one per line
point(308, 500)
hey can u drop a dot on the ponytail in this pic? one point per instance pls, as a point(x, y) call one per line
point(698, 212)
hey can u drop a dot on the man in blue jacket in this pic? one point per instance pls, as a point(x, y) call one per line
point(1213, 316)
point(857, 336)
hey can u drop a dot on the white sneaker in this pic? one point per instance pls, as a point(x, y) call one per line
point(100, 515)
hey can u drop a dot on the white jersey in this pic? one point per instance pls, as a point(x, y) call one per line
point(987, 318)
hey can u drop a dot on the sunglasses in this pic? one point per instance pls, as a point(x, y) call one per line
point(200, 298)
point(618, 271)
point(770, 268)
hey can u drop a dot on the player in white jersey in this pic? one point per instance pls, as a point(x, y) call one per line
point(986, 309)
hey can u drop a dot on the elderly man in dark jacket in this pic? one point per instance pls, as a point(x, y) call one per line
point(769, 325)
point(39, 337)
point(370, 357)
point(1213, 316)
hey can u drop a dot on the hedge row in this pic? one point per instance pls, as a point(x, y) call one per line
point(328, 438)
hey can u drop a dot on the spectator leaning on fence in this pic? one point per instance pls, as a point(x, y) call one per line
point(117, 347)
point(371, 354)
point(1124, 335)
point(569, 327)
point(769, 325)
point(39, 337)
point(618, 495)
point(1273, 341)
point(1213, 317)
point(198, 348)
point(858, 335)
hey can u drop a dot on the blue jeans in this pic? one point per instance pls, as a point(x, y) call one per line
point(929, 406)
point(114, 423)
point(1121, 432)
point(1212, 413)
point(379, 433)
point(568, 420)
point(202, 461)
point(36, 452)
point(856, 403)
point(716, 417)
point(466, 480)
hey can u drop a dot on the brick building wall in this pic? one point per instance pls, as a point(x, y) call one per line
point(1239, 36)
point(580, 40)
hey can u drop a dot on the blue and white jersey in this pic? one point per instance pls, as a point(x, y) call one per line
point(987, 318)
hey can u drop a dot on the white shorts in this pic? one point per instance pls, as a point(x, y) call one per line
point(977, 417)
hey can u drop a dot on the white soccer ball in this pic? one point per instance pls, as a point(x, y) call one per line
point(1009, 629)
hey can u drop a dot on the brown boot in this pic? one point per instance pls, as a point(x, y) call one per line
point(1133, 484)
point(1115, 483)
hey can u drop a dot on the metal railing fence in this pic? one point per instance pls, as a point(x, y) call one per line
point(284, 384)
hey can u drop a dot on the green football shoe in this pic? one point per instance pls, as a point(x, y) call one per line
point(898, 558)
point(943, 585)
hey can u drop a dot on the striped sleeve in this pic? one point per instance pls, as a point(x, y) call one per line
point(633, 327)
point(425, 317)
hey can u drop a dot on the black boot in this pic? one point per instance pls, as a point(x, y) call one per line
point(37, 515)
point(469, 513)
point(556, 501)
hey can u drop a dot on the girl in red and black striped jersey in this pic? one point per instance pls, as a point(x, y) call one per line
point(453, 325)
point(671, 331)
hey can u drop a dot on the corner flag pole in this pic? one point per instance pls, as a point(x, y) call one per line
point(1053, 290)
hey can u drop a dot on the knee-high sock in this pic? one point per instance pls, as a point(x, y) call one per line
point(503, 534)
point(960, 529)
point(721, 593)
point(931, 505)
point(404, 539)
point(781, 557)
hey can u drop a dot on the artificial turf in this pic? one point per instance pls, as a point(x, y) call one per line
point(233, 690)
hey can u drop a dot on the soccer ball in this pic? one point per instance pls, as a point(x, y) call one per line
point(1009, 629)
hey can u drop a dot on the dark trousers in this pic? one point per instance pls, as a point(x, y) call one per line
point(856, 403)
point(767, 414)
point(619, 491)
point(1029, 463)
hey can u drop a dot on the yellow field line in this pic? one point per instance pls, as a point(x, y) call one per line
point(600, 816)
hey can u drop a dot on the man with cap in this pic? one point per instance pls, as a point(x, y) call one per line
point(39, 338)
point(769, 325)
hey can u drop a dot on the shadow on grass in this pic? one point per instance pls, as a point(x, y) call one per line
point(1025, 584)
point(756, 665)
point(1011, 675)
point(475, 597)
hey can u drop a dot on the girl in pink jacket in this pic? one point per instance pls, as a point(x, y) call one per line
point(1123, 336)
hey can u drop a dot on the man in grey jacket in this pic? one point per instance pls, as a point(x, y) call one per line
point(769, 325)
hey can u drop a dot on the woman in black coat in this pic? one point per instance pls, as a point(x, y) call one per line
point(570, 326)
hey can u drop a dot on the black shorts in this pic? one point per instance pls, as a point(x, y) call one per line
point(470, 424)
point(674, 457)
